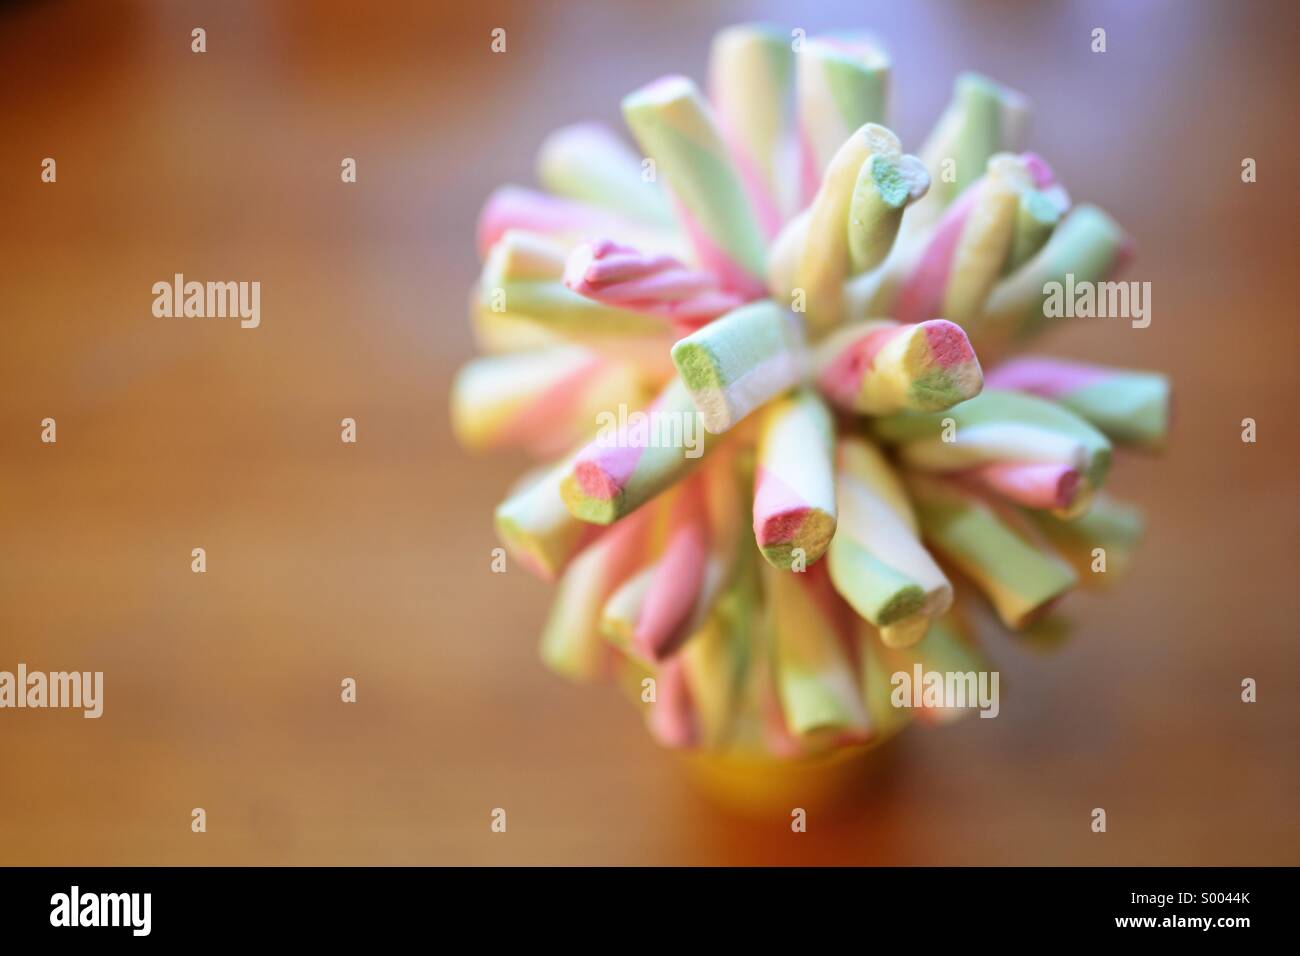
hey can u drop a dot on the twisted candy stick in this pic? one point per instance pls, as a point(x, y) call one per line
point(843, 83)
point(543, 400)
point(620, 276)
point(615, 474)
point(1001, 221)
point(993, 547)
point(735, 364)
point(750, 72)
point(1128, 406)
point(876, 559)
point(850, 225)
point(794, 485)
point(1027, 449)
point(882, 367)
point(674, 126)
point(588, 162)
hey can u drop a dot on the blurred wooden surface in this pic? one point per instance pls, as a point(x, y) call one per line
point(327, 560)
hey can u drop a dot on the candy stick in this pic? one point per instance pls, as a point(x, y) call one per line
point(850, 225)
point(1109, 525)
point(1000, 217)
point(571, 643)
point(995, 551)
point(877, 561)
point(1087, 245)
point(815, 675)
point(750, 73)
point(882, 367)
point(619, 616)
point(673, 720)
point(590, 163)
point(675, 127)
point(562, 220)
point(999, 427)
point(714, 661)
point(1048, 486)
point(946, 649)
point(982, 118)
point(1130, 407)
point(522, 277)
point(674, 589)
point(631, 461)
point(876, 678)
point(545, 401)
point(536, 527)
point(733, 365)
point(622, 277)
point(794, 488)
point(843, 83)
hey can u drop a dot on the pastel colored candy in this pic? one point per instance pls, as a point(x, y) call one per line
point(676, 128)
point(883, 367)
point(545, 400)
point(815, 674)
point(1002, 216)
point(565, 221)
point(630, 462)
point(622, 277)
point(1112, 526)
point(590, 163)
point(1088, 245)
point(842, 84)
point(751, 69)
point(1131, 407)
point(571, 640)
point(735, 364)
point(1018, 575)
point(982, 118)
point(794, 486)
point(876, 560)
point(999, 427)
point(849, 227)
point(537, 529)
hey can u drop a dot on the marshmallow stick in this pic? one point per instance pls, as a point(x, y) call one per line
point(571, 643)
point(588, 162)
point(842, 84)
point(794, 486)
point(622, 277)
point(849, 227)
point(1111, 526)
point(1130, 407)
point(675, 128)
point(750, 74)
point(877, 561)
point(672, 719)
point(882, 367)
point(563, 221)
point(545, 401)
point(1002, 216)
point(993, 547)
point(629, 462)
point(674, 588)
point(946, 649)
point(536, 527)
point(739, 362)
point(1047, 486)
point(982, 118)
point(999, 427)
point(815, 674)
point(1088, 246)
